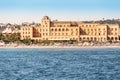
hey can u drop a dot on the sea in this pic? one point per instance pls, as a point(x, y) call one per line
point(60, 64)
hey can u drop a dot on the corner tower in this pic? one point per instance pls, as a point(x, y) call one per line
point(45, 27)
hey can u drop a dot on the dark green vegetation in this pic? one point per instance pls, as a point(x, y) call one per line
point(15, 38)
point(7, 38)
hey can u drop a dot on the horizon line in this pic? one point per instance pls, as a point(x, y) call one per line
point(38, 21)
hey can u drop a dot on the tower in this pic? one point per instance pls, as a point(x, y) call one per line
point(45, 27)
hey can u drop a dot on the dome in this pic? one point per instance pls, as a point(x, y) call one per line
point(45, 17)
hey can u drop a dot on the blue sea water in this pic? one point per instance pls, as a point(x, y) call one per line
point(60, 64)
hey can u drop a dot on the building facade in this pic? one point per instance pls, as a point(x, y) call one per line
point(67, 30)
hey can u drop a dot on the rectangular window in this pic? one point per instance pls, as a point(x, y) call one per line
point(55, 33)
point(76, 29)
point(66, 33)
point(76, 33)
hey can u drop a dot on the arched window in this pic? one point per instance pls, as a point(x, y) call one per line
point(80, 38)
point(66, 29)
point(59, 29)
point(62, 29)
point(52, 29)
point(91, 38)
point(115, 29)
point(55, 29)
point(87, 38)
point(116, 38)
point(112, 38)
point(95, 39)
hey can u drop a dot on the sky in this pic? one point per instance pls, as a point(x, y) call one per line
point(18, 11)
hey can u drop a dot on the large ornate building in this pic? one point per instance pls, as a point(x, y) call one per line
point(67, 30)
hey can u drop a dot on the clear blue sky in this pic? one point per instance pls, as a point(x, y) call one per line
point(16, 11)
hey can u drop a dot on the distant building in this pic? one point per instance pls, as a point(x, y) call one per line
point(10, 31)
point(67, 30)
point(7, 31)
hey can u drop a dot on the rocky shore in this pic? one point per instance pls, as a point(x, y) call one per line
point(79, 45)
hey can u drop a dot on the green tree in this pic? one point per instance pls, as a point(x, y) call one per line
point(7, 38)
point(27, 41)
point(15, 37)
point(1, 36)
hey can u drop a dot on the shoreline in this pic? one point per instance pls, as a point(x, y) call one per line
point(57, 47)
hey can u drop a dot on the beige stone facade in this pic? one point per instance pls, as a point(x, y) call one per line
point(67, 30)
